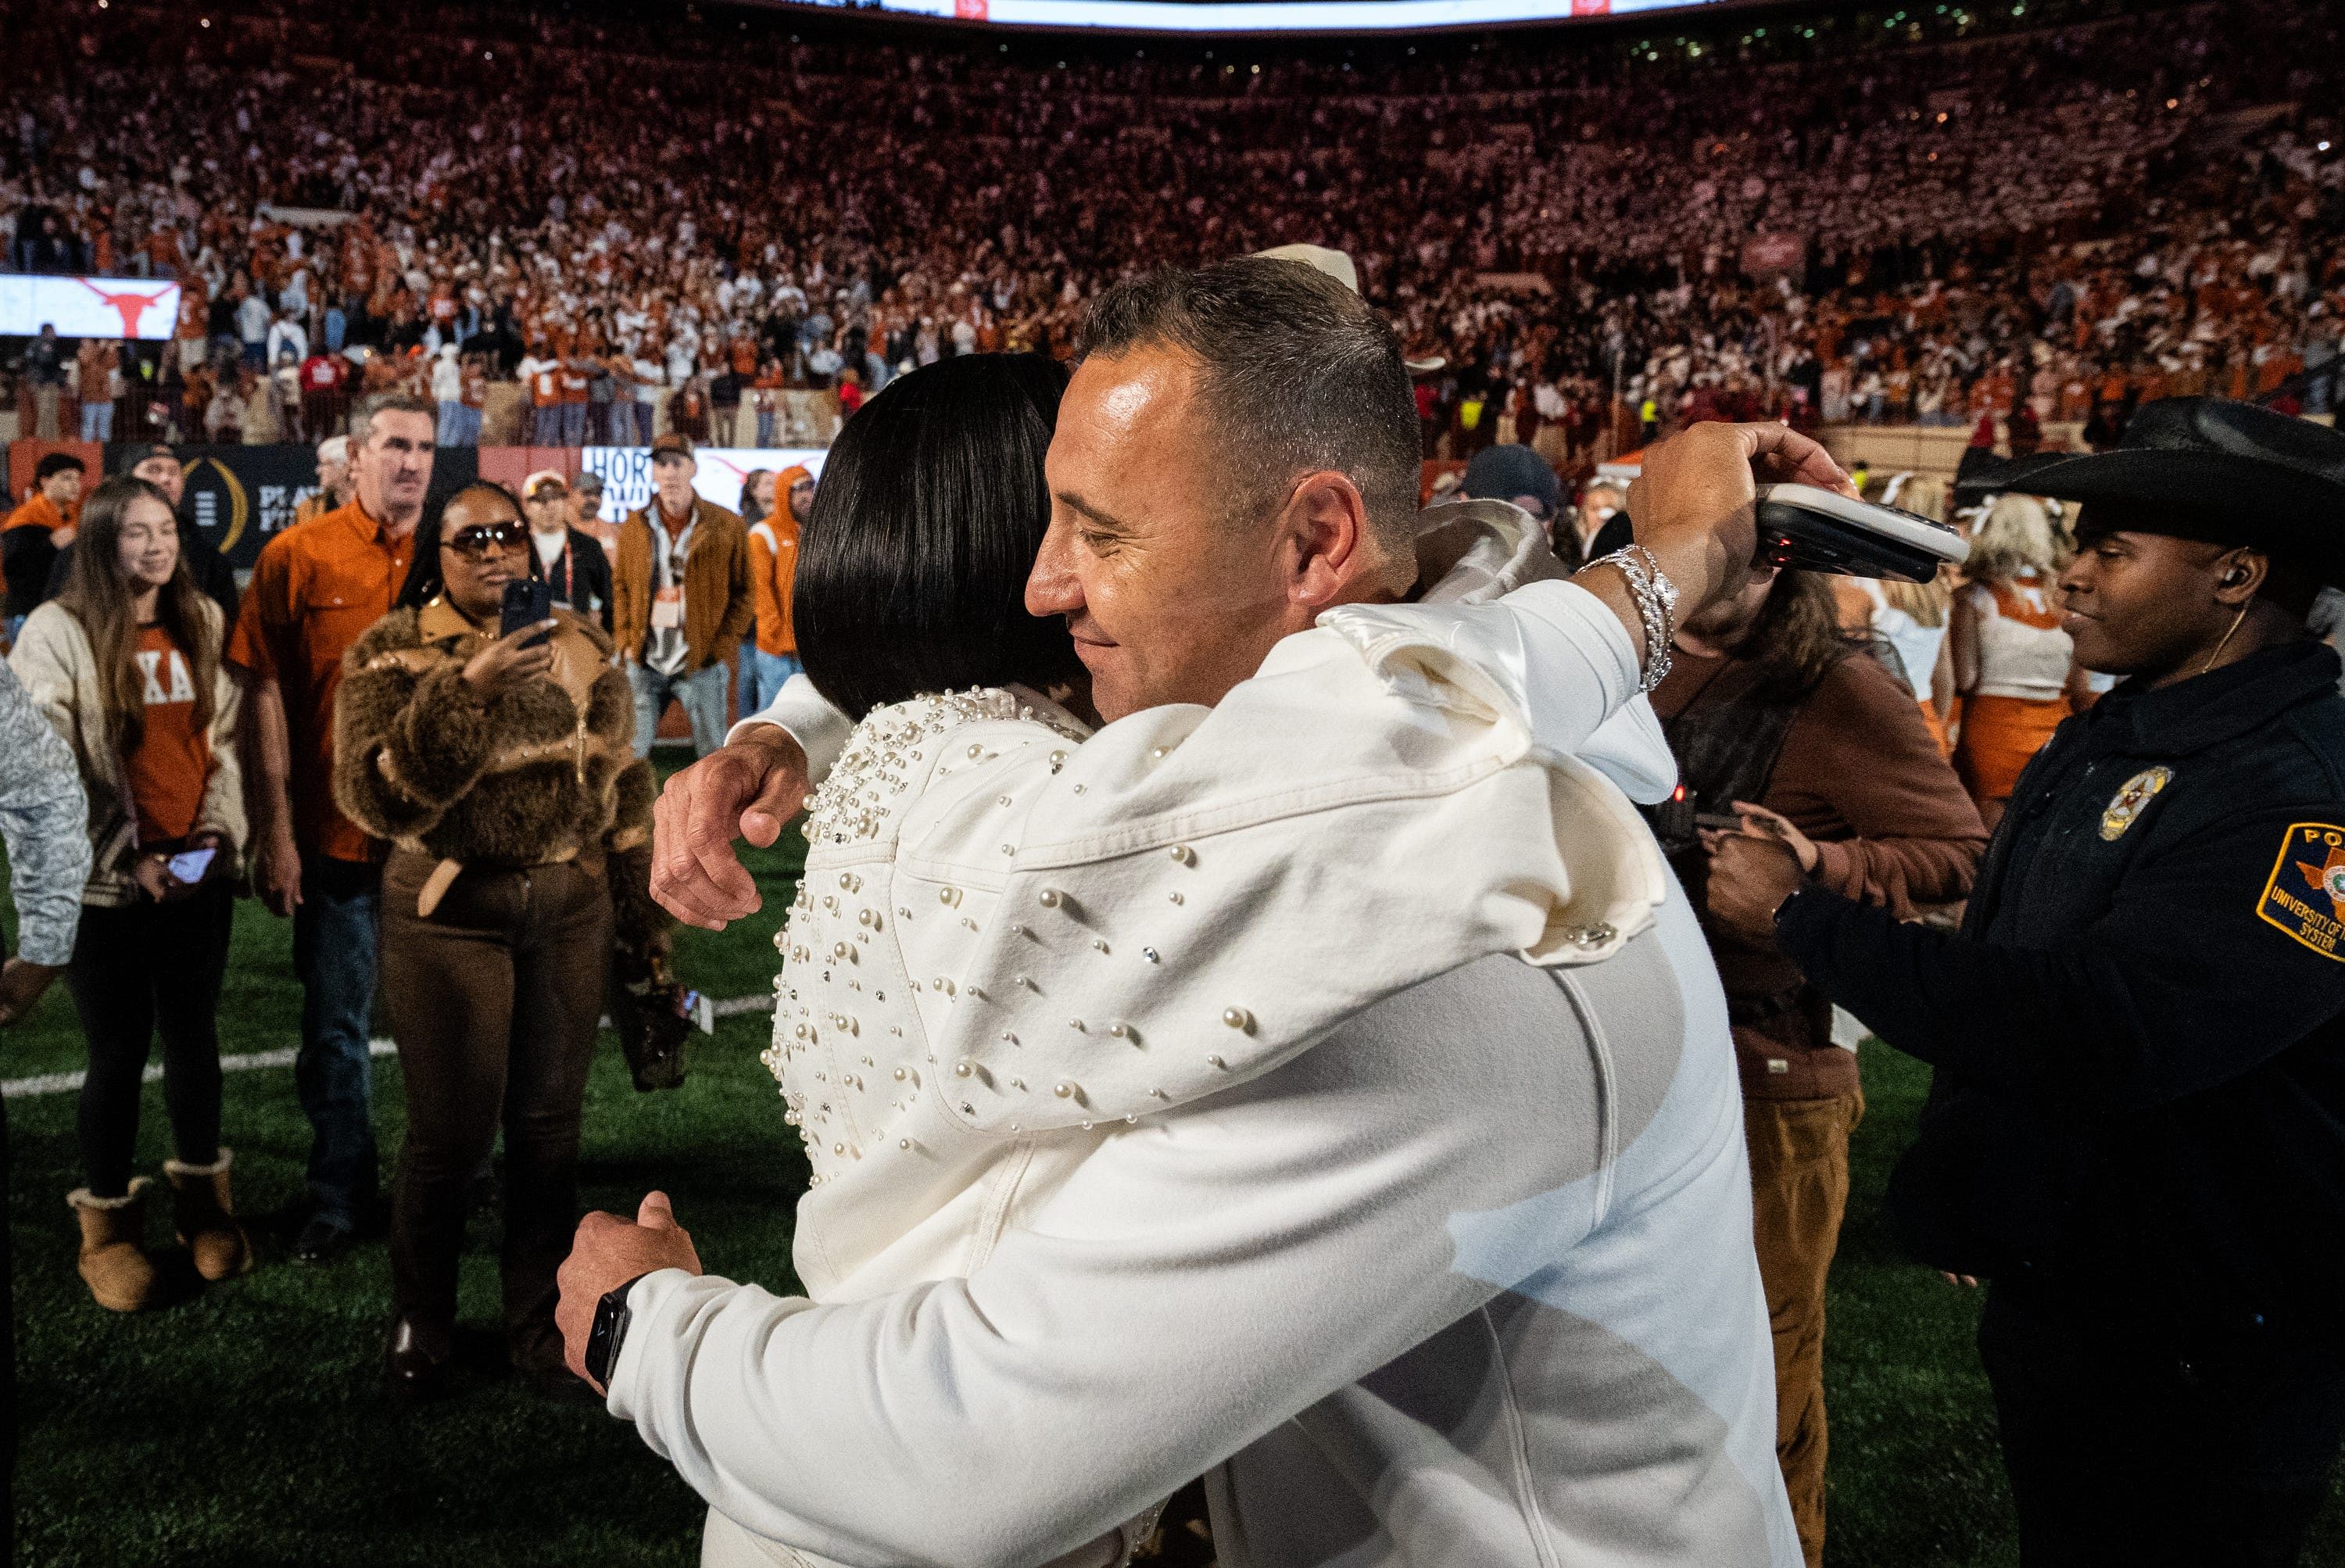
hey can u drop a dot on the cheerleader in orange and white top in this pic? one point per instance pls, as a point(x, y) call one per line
point(2012, 664)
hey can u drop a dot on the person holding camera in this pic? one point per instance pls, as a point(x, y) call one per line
point(1787, 730)
point(126, 664)
point(487, 737)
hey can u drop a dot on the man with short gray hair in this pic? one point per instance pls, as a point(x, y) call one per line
point(1470, 1280)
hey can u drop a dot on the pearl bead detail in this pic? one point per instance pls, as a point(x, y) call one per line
point(1184, 855)
point(1064, 1090)
point(1238, 1018)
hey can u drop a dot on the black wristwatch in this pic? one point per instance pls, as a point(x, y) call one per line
point(610, 1330)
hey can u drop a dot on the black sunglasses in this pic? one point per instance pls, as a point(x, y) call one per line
point(483, 539)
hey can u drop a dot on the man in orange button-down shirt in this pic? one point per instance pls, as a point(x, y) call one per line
point(315, 589)
point(773, 657)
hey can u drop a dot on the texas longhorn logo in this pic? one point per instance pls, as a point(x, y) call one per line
point(131, 308)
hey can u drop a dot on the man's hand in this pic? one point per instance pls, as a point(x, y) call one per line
point(1749, 879)
point(747, 790)
point(276, 867)
point(608, 1253)
point(1694, 504)
point(21, 985)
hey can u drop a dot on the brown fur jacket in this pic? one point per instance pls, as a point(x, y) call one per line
point(535, 773)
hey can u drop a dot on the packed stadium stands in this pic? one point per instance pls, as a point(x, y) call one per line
point(1900, 216)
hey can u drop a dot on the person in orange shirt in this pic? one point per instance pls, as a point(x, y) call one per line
point(315, 590)
point(772, 656)
point(35, 533)
point(2012, 664)
point(125, 662)
point(543, 372)
point(577, 385)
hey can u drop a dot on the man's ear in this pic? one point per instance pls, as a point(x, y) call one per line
point(2242, 577)
point(1325, 529)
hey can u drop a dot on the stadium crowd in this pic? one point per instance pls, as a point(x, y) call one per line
point(2092, 213)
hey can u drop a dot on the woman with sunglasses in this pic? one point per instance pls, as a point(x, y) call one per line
point(500, 768)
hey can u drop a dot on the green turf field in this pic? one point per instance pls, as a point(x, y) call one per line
point(245, 1428)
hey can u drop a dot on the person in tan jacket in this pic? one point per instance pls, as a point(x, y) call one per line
point(126, 664)
point(680, 600)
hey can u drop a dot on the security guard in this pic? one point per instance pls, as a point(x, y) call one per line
point(2136, 1131)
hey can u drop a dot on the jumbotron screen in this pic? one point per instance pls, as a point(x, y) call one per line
point(1263, 15)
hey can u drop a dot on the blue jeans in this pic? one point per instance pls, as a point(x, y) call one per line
point(762, 675)
point(452, 422)
point(334, 933)
point(98, 421)
point(702, 692)
point(545, 425)
point(573, 424)
point(767, 418)
point(338, 328)
point(622, 423)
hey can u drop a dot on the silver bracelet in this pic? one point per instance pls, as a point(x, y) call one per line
point(1657, 607)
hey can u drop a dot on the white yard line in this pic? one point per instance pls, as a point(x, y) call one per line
point(70, 1083)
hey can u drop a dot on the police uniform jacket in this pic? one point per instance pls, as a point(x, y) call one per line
point(2139, 1033)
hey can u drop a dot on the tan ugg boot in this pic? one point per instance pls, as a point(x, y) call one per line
point(206, 1222)
point(113, 1261)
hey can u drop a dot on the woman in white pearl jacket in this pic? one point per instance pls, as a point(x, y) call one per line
point(1017, 940)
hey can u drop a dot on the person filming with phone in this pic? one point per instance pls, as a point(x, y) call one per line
point(126, 664)
point(487, 736)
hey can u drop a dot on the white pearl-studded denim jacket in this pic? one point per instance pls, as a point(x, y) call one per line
point(1012, 942)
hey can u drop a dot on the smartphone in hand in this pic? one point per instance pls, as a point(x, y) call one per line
point(189, 866)
point(528, 600)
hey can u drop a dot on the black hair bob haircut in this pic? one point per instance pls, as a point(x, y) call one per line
point(912, 567)
point(422, 583)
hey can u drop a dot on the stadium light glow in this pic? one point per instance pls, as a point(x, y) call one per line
point(1259, 16)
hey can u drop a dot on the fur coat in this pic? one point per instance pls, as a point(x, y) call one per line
point(538, 772)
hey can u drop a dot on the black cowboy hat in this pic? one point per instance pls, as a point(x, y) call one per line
point(2227, 473)
point(1982, 474)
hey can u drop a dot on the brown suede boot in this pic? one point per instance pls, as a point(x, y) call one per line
point(206, 1222)
point(113, 1261)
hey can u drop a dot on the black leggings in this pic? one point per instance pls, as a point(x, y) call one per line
point(136, 971)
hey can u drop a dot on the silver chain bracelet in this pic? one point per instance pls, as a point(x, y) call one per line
point(1657, 606)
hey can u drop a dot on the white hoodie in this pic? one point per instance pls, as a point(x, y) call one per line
point(1039, 998)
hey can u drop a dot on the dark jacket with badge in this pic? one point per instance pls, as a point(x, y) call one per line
point(2139, 1033)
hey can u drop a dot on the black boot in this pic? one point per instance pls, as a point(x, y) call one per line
point(416, 1360)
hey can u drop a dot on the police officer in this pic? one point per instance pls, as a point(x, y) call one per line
point(2137, 1130)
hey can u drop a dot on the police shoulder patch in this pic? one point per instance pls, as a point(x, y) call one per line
point(2305, 894)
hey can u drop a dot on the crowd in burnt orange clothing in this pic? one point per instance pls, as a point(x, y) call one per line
point(2076, 208)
